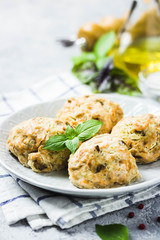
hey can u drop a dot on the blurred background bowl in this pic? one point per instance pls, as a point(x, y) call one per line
point(149, 82)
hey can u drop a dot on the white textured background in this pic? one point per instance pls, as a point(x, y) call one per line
point(28, 32)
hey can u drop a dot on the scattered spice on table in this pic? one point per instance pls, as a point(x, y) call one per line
point(142, 226)
point(141, 206)
point(158, 219)
point(131, 214)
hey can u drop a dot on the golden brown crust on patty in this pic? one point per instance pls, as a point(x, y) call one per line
point(78, 110)
point(27, 139)
point(141, 134)
point(102, 162)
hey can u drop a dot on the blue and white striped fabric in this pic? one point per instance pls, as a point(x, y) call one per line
point(41, 208)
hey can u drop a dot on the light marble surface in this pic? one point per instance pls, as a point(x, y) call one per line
point(29, 54)
point(86, 230)
point(28, 32)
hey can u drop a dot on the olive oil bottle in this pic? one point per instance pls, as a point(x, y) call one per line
point(139, 46)
point(140, 54)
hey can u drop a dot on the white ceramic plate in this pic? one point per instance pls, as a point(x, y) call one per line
point(58, 181)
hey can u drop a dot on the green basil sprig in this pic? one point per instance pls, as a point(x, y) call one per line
point(71, 138)
point(112, 232)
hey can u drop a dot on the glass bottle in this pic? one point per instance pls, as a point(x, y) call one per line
point(139, 45)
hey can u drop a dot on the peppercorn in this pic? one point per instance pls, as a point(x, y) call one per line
point(141, 206)
point(142, 226)
point(131, 214)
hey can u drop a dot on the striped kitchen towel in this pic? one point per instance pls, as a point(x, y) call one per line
point(20, 200)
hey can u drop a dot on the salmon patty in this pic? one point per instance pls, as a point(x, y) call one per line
point(102, 162)
point(26, 141)
point(81, 109)
point(141, 134)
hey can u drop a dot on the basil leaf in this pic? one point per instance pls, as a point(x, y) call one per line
point(56, 143)
point(84, 57)
point(88, 129)
point(72, 145)
point(104, 44)
point(85, 72)
point(71, 137)
point(70, 132)
point(112, 232)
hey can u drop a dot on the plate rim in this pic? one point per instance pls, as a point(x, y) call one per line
point(122, 190)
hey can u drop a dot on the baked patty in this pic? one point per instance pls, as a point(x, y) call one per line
point(141, 134)
point(81, 109)
point(102, 162)
point(26, 141)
